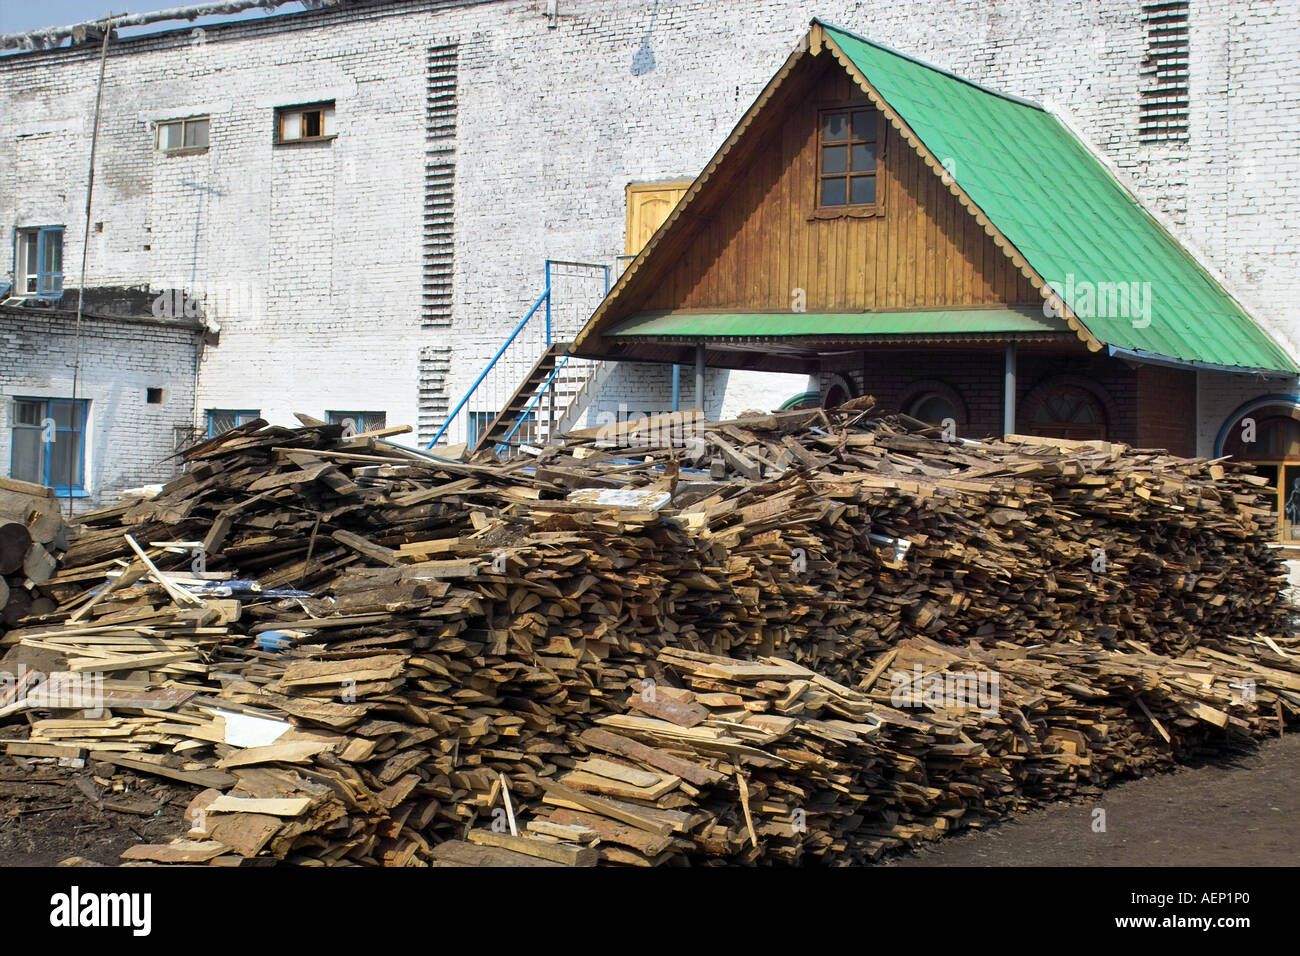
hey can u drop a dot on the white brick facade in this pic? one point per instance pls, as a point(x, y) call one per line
point(310, 256)
point(128, 439)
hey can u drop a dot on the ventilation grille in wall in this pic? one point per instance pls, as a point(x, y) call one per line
point(439, 184)
point(435, 363)
point(1163, 114)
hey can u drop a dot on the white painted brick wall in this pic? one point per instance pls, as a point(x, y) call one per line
point(128, 440)
point(310, 256)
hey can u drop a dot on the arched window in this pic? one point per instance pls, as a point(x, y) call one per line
point(1268, 437)
point(933, 409)
point(836, 392)
point(933, 402)
point(1064, 411)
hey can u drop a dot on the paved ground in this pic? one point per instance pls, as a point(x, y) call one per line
point(1243, 810)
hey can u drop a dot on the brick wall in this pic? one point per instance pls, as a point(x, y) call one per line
point(895, 379)
point(1221, 395)
point(311, 259)
point(128, 439)
point(1166, 409)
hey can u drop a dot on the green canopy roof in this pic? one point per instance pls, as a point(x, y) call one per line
point(1129, 282)
point(818, 324)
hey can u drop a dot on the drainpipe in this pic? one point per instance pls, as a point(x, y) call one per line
point(1009, 390)
point(1196, 428)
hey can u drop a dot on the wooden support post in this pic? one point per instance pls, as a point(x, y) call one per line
point(699, 379)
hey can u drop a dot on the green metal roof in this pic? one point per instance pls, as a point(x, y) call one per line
point(1065, 213)
point(781, 324)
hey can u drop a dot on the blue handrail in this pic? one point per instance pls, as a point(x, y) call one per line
point(523, 415)
point(544, 297)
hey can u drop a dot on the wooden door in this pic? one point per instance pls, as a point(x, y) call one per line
point(648, 206)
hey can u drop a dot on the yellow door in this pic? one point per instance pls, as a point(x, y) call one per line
point(647, 208)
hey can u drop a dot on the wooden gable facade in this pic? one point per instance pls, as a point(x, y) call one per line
point(757, 233)
point(915, 297)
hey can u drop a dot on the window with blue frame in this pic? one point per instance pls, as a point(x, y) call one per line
point(518, 431)
point(360, 421)
point(49, 443)
point(476, 423)
point(38, 261)
point(221, 420)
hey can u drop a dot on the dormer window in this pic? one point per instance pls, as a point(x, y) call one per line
point(848, 148)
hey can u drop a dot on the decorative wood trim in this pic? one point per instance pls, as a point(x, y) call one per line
point(1002, 242)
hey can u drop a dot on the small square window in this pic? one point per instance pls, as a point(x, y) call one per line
point(169, 136)
point(196, 134)
point(311, 122)
point(153, 396)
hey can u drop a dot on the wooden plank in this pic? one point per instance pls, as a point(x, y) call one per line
point(555, 852)
point(199, 778)
point(286, 807)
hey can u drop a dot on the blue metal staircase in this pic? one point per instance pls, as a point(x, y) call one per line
point(531, 380)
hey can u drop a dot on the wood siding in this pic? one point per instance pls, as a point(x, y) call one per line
point(754, 240)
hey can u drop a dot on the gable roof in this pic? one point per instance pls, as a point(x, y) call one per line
point(1047, 202)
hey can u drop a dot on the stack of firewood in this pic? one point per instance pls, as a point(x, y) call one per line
point(641, 652)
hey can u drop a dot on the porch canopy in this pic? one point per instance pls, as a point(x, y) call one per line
point(803, 342)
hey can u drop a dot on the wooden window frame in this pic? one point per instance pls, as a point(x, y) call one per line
point(281, 112)
point(183, 123)
point(1278, 489)
point(848, 210)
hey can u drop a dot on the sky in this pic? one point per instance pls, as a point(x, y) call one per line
point(17, 16)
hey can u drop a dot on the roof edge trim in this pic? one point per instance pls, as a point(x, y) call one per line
point(930, 66)
point(1001, 241)
point(1167, 361)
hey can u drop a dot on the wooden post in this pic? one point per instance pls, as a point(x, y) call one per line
point(699, 378)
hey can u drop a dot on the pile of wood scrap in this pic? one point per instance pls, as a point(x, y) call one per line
point(33, 536)
point(359, 653)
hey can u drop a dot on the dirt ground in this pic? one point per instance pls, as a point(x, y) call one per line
point(1242, 809)
point(1239, 810)
point(45, 817)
